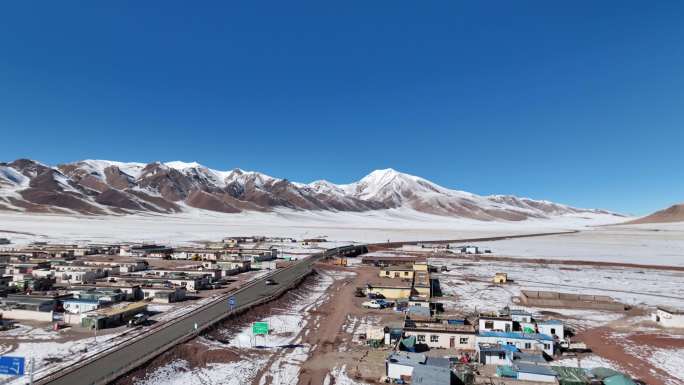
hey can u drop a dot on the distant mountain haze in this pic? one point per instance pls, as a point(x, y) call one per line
point(99, 187)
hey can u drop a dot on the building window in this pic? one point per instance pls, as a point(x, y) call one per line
point(547, 346)
point(463, 340)
point(489, 324)
point(420, 338)
point(434, 338)
point(502, 356)
point(528, 345)
point(553, 331)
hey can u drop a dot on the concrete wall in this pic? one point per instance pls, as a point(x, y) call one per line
point(565, 300)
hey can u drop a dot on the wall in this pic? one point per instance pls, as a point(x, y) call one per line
point(444, 339)
point(391, 293)
point(498, 325)
point(566, 300)
point(546, 329)
point(396, 371)
point(536, 377)
point(519, 343)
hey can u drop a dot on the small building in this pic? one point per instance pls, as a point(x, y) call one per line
point(553, 328)
point(495, 354)
point(417, 368)
point(531, 372)
point(422, 285)
point(78, 306)
point(500, 278)
point(421, 266)
point(391, 260)
point(523, 341)
point(163, 295)
point(391, 290)
point(112, 317)
point(669, 317)
point(396, 272)
point(441, 334)
point(494, 322)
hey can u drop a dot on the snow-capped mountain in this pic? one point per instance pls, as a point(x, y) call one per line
point(106, 187)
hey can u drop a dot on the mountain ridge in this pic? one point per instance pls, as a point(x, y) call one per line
point(100, 187)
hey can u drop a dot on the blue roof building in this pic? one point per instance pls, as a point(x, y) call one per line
point(522, 341)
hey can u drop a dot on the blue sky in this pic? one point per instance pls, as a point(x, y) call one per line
point(578, 102)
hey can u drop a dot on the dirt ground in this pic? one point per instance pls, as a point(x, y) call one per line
point(335, 346)
point(602, 342)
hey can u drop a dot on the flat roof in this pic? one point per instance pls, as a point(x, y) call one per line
point(517, 335)
point(534, 369)
point(390, 284)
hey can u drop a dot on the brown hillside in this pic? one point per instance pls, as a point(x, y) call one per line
point(673, 213)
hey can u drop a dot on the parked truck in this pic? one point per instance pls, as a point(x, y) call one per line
point(577, 347)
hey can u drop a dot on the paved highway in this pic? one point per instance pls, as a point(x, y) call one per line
point(120, 359)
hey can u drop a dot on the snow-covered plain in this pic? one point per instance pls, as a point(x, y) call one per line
point(647, 244)
point(652, 244)
point(472, 283)
point(371, 226)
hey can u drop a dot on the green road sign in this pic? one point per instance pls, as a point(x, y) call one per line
point(260, 328)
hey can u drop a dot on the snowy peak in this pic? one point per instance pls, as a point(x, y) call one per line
point(110, 187)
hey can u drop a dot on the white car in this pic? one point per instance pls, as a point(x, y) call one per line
point(372, 304)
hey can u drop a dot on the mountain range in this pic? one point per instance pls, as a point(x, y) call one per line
point(98, 187)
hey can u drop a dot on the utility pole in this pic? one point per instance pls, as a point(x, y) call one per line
point(32, 369)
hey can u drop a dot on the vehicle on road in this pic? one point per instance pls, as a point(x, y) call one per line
point(376, 304)
point(375, 296)
point(138, 320)
point(359, 292)
point(271, 282)
point(578, 347)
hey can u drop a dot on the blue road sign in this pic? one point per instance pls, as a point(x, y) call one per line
point(14, 366)
point(231, 303)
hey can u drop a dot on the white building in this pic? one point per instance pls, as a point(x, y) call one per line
point(523, 341)
point(669, 317)
point(494, 323)
point(78, 306)
point(553, 328)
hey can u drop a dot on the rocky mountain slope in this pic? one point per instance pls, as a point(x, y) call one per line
point(105, 187)
point(674, 213)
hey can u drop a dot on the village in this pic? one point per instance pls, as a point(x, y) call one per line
point(419, 332)
point(100, 286)
point(413, 317)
